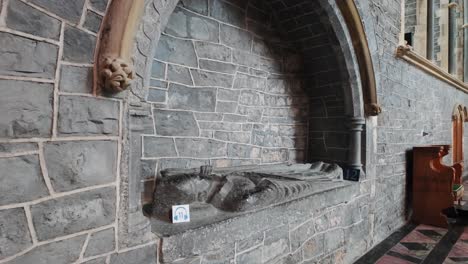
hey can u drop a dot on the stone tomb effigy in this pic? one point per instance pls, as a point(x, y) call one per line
point(228, 204)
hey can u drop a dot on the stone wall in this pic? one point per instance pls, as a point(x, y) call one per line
point(226, 89)
point(59, 144)
point(71, 163)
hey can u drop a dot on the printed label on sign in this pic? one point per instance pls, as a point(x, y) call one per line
point(180, 213)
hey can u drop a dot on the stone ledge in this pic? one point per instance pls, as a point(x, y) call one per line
point(186, 240)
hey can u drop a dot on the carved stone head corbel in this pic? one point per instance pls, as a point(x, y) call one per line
point(114, 71)
point(115, 74)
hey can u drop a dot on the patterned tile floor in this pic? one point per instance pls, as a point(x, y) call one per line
point(423, 244)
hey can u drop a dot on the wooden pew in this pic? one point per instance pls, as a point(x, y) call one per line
point(435, 185)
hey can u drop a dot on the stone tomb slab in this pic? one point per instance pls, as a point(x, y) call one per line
point(223, 230)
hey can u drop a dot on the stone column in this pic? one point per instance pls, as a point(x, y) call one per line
point(356, 125)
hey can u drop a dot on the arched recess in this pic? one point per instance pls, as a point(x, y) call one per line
point(118, 42)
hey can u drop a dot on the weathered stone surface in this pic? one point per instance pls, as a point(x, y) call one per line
point(253, 256)
point(93, 21)
point(198, 6)
point(78, 46)
point(80, 115)
point(14, 232)
point(21, 180)
point(274, 155)
point(235, 38)
point(250, 242)
point(29, 108)
point(196, 99)
point(186, 24)
point(276, 243)
point(212, 51)
point(99, 5)
point(200, 148)
point(333, 240)
point(226, 107)
point(26, 57)
point(234, 118)
point(76, 79)
point(182, 163)
point(179, 74)
point(228, 13)
point(243, 151)
point(96, 261)
point(60, 252)
point(144, 255)
point(206, 78)
point(158, 83)
point(158, 69)
point(176, 51)
point(220, 256)
point(301, 234)
point(27, 19)
point(313, 247)
point(70, 10)
point(209, 116)
point(17, 147)
point(148, 169)
point(100, 242)
point(73, 213)
point(228, 95)
point(156, 147)
point(240, 137)
point(157, 95)
point(244, 81)
point(77, 164)
point(251, 98)
point(175, 123)
point(226, 126)
point(218, 66)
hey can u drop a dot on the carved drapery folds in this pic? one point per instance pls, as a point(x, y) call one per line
point(113, 70)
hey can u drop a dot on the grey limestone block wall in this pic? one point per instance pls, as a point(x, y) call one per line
point(59, 143)
point(224, 89)
point(417, 110)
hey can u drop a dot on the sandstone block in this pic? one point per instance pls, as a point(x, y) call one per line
point(29, 108)
point(26, 57)
point(76, 79)
point(206, 78)
point(175, 123)
point(88, 116)
point(155, 147)
point(14, 232)
point(212, 51)
point(177, 51)
point(74, 213)
point(200, 148)
point(100, 242)
point(27, 19)
point(70, 10)
point(196, 99)
point(78, 164)
point(186, 24)
point(21, 180)
point(78, 45)
point(60, 252)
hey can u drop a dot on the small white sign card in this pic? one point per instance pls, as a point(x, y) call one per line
point(180, 213)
